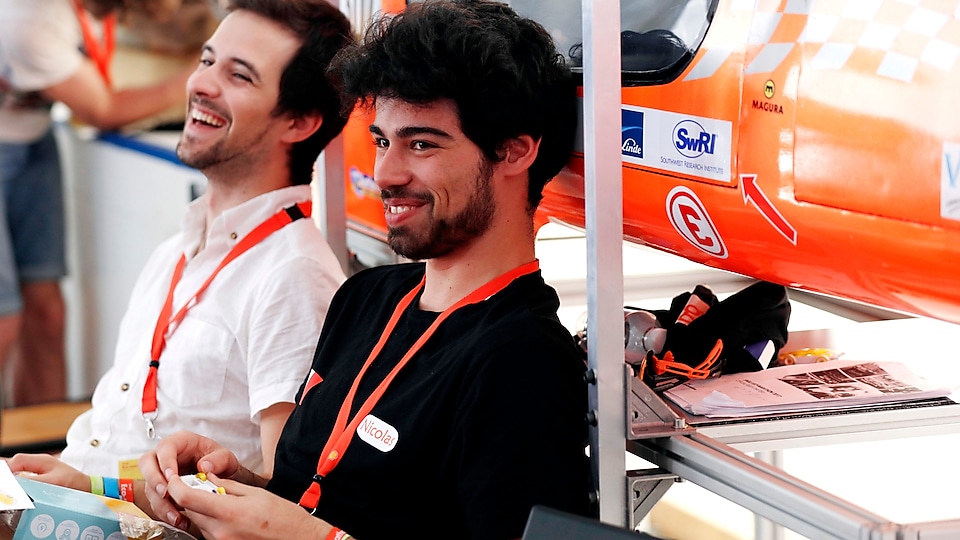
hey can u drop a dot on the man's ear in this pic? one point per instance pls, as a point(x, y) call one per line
point(519, 154)
point(301, 127)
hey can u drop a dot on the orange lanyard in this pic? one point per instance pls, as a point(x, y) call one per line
point(342, 432)
point(164, 322)
point(101, 56)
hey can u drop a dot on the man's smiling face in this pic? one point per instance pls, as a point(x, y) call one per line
point(435, 182)
point(234, 91)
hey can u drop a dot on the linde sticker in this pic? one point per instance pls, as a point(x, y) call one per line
point(689, 217)
point(378, 433)
point(631, 133)
point(950, 182)
point(678, 143)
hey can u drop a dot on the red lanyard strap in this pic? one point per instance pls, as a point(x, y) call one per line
point(342, 433)
point(164, 322)
point(101, 56)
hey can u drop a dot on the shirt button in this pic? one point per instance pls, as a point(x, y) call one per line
point(124, 387)
point(95, 443)
point(233, 236)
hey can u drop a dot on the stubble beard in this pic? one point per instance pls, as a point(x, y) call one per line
point(203, 159)
point(443, 236)
point(220, 154)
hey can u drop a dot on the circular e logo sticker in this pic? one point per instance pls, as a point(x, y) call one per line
point(690, 219)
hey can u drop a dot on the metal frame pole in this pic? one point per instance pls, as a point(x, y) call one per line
point(604, 224)
point(330, 208)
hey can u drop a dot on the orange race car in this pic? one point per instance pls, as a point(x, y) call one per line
point(810, 143)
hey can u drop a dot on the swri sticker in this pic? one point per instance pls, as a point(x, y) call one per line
point(678, 143)
point(692, 140)
point(950, 182)
point(689, 217)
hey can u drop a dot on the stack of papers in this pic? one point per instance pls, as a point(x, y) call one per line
point(804, 387)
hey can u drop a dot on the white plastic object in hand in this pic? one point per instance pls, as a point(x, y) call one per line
point(200, 481)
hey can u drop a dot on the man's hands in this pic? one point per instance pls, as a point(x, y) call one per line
point(183, 453)
point(243, 513)
point(50, 470)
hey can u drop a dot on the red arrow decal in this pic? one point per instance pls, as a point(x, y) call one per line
point(752, 193)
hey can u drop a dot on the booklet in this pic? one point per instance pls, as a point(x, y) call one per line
point(12, 496)
point(804, 387)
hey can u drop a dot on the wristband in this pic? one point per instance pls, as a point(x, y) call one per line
point(337, 534)
point(111, 488)
point(96, 485)
point(126, 489)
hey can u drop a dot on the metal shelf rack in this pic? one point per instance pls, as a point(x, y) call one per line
point(653, 430)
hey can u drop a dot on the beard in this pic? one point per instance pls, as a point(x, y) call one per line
point(443, 235)
point(202, 159)
point(239, 153)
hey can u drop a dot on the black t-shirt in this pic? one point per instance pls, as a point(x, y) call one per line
point(485, 421)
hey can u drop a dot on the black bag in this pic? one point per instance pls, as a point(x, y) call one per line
point(707, 337)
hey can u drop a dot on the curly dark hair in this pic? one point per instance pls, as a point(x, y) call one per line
point(304, 86)
point(502, 71)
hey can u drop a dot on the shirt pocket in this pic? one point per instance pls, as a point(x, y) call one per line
point(193, 368)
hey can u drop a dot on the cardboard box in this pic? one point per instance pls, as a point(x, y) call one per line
point(68, 514)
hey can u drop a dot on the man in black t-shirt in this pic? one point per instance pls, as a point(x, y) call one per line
point(445, 398)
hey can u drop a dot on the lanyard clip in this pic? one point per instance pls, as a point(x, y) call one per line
point(149, 418)
point(311, 497)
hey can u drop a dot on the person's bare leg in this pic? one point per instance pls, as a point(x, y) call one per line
point(40, 372)
point(9, 332)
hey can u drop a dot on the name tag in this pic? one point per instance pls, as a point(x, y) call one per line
point(129, 468)
point(377, 433)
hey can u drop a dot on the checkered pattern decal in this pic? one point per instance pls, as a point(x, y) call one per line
point(847, 34)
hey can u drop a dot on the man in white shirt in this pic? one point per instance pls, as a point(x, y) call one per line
point(260, 110)
point(40, 63)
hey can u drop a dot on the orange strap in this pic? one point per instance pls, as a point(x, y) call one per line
point(100, 52)
point(164, 322)
point(702, 371)
point(343, 432)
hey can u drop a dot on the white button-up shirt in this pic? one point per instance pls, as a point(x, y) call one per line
point(244, 346)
